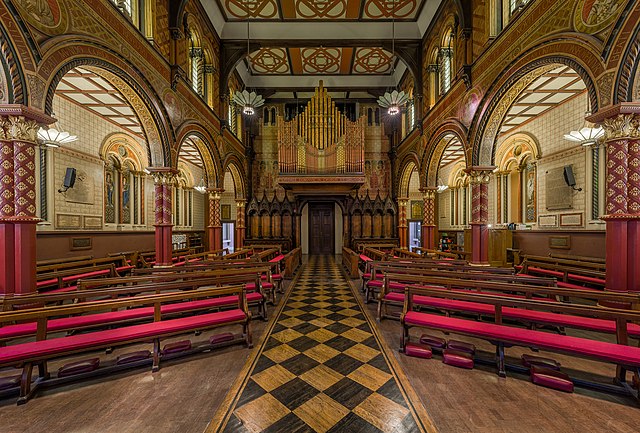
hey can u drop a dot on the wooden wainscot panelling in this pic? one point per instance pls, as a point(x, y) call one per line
point(54, 245)
point(587, 243)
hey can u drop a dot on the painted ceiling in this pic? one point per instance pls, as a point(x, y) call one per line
point(344, 10)
point(321, 61)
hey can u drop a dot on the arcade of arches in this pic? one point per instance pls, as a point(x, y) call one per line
point(517, 152)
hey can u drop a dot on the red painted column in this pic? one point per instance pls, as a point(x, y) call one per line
point(19, 128)
point(480, 214)
point(622, 134)
point(429, 218)
point(164, 179)
point(215, 225)
point(240, 224)
point(403, 233)
point(7, 210)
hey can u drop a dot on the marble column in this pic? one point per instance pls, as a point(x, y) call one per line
point(240, 223)
point(402, 222)
point(215, 225)
point(18, 142)
point(164, 180)
point(622, 137)
point(429, 217)
point(480, 214)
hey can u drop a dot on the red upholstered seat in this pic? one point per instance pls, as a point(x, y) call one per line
point(93, 274)
point(60, 346)
point(45, 283)
point(124, 268)
point(367, 275)
point(277, 258)
point(95, 320)
point(276, 277)
point(265, 285)
point(365, 258)
point(616, 353)
point(418, 350)
point(564, 285)
point(586, 279)
point(557, 274)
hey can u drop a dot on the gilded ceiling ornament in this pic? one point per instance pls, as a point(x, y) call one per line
point(242, 9)
point(270, 61)
point(375, 9)
point(321, 9)
point(321, 60)
point(372, 61)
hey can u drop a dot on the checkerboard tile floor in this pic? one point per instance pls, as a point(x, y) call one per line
point(321, 369)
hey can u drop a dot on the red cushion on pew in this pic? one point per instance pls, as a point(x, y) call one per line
point(564, 285)
point(586, 279)
point(124, 268)
point(616, 353)
point(179, 263)
point(277, 258)
point(375, 283)
point(45, 283)
point(265, 285)
point(367, 275)
point(545, 272)
point(86, 275)
point(518, 267)
point(58, 346)
point(84, 366)
point(365, 258)
point(551, 378)
point(276, 277)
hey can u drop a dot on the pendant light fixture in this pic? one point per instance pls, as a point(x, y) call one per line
point(51, 137)
point(393, 101)
point(201, 188)
point(587, 135)
point(249, 101)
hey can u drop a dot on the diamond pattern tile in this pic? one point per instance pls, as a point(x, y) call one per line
point(321, 369)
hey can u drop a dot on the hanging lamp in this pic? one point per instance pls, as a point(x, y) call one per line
point(249, 101)
point(51, 137)
point(587, 135)
point(393, 101)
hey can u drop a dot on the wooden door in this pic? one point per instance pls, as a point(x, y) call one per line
point(321, 229)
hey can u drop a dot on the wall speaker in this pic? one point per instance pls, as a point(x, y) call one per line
point(568, 175)
point(70, 177)
point(569, 178)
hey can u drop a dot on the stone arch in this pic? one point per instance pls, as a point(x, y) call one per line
point(583, 59)
point(235, 167)
point(127, 78)
point(627, 83)
point(440, 139)
point(205, 145)
point(408, 165)
point(13, 87)
point(531, 147)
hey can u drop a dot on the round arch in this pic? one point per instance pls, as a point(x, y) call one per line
point(203, 142)
point(627, 84)
point(518, 76)
point(13, 87)
point(408, 165)
point(436, 147)
point(234, 166)
point(125, 77)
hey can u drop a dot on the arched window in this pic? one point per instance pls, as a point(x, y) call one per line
point(196, 63)
point(433, 80)
point(141, 13)
point(502, 12)
point(124, 181)
point(445, 63)
point(208, 73)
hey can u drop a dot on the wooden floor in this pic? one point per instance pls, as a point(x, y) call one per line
point(185, 394)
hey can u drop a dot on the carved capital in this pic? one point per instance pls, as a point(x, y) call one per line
point(432, 68)
point(428, 193)
point(215, 193)
point(163, 175)
point(479, 175)
point(176, 33)
point(22, 129)
point(622, 126)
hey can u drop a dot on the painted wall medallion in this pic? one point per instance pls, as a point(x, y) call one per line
point(48, 16)
point(593, 16)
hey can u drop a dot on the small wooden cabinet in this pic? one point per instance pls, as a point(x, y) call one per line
point(499, 241)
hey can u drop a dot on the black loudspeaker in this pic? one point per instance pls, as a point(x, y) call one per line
point(568, 176)
point(69, 178)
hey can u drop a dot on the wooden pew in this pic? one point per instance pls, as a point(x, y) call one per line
point(119, 262)
point(350, 261)
point(578, 258)
point(64, 280)
point(39, 352)
point(62, 260)
point(207, 255)
point(148, 259)
point(570, 273)
point(292, 261)
point(625, 356)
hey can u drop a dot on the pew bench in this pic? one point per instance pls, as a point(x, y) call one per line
point(350, 262)
point(626, 357)
point(292, 261)
point(37, 353)
point(60, 281)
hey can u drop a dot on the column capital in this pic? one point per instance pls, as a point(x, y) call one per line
point(619, 121)
point(480, 174)
point(215, 193)
point(21, 123)
point(163, 175)
point(428, 192)
point(241, 202)
point(403, 201)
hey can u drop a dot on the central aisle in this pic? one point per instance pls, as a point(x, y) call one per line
point(320, 368)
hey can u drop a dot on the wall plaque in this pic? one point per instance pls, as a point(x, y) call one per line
point(76, 244)
point(558, 195)
point(571, 220)
point(82, 190)
point(92, 222)
point(560, 242)
point(548, 221)
point(67, 221)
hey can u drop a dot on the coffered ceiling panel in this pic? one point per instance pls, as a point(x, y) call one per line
point(321, 61)
point(327, 10)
